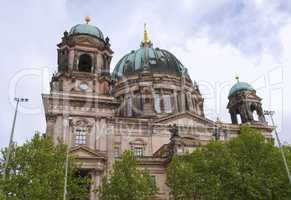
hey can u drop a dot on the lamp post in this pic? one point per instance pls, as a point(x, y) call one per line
point(67, 160)
point(66, 174)
point(271, 113)
point(18, 100)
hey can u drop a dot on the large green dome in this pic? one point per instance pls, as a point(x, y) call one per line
point(154, 59)
point(86, 29)
point(240, 86)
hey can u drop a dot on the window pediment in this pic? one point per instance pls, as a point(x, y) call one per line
point(85, 152)
point(138, 142)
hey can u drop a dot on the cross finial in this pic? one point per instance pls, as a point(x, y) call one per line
point(146, 38)
point(237, 78)
point(87, 19)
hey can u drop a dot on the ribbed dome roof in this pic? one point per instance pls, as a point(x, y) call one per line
point(153, 59)
point(86, 29)
point(240, 86)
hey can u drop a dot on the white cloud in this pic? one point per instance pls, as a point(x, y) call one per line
point(214, 66)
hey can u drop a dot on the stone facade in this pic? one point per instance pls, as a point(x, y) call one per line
point(154, 113)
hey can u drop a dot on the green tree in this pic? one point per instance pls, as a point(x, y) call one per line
point(246, 167)
point(36, 171)
point(126, 181)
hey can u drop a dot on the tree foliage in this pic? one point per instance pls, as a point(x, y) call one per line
point(246, 167)
point(36, 171)
point(126, 181)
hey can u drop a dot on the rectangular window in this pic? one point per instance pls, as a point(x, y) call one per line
point(180, 151)
point(138, 151)
point(116, 151)
point(167, 103)
point(80, 136)
point(153, 179)
point(157, 103)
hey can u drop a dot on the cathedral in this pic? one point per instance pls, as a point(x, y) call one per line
point(148, 104)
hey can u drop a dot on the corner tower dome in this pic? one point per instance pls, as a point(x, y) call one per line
point(244, 105)
point(148, 58)
point(240, 86)
point(86, 29)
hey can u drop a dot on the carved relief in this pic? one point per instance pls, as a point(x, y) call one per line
point(51, 118)
point(103, 85)
point(82, 123)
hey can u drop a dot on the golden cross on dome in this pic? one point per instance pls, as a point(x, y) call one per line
point(146, 38)
point(87, 19)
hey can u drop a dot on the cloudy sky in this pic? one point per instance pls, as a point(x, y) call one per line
point(215, 41)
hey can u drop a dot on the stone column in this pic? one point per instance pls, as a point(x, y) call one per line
point(51, 121)
point(261, 114)
point(175, 102)
point(101, 132)
point(71, 59)
point(110, 147)
point(233, 118)
point(183, 107)
point(66, 130)
point(98, 178)
point(95, 183)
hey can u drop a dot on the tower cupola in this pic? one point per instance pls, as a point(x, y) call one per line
point(244, 105)
point(84, 58)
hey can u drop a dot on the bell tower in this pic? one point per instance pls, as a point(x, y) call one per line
point(79, 98)
point(79, 104)
point(84, 58)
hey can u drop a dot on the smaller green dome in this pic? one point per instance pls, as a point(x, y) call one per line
point(240, 86)
point(86, 29)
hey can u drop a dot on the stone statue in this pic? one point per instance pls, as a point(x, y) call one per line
point(174, 131)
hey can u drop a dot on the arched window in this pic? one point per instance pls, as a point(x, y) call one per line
point(255, 116)
point(85, 63)
point(239, 121)
point(254, 112)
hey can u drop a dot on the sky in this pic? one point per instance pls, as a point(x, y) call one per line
point(215, 40)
